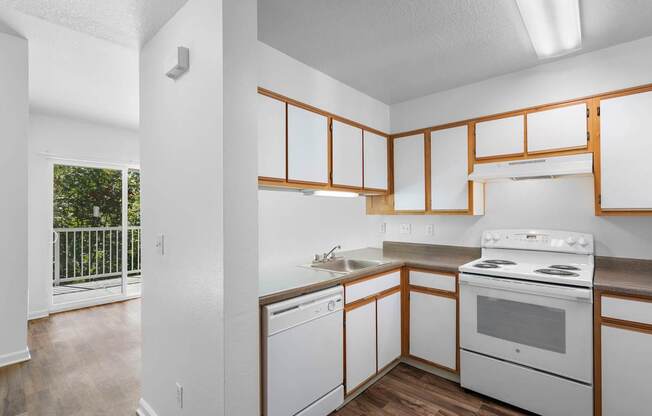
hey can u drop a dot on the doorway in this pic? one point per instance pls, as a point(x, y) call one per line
point(96, 255)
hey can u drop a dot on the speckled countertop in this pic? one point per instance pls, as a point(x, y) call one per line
point(625, 276)
point(286, 282)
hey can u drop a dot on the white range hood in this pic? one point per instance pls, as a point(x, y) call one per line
point(539, 168)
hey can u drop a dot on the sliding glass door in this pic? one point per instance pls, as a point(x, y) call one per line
point(96, 224)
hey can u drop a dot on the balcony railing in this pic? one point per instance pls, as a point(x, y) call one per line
point(94, 253)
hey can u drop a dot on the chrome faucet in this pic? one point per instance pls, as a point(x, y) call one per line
point(326, 256)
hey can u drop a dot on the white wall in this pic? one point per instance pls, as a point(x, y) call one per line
point(555, 204)
point(287, 76)
point(200, 310)
point(59, 140)
point(609, 69)
point(14, 108)
point(293, 227)
point(73, 74)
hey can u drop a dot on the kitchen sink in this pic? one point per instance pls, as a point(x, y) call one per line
point(346, 265)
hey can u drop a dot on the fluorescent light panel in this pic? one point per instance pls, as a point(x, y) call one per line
point(553, 25)
point(338, 194)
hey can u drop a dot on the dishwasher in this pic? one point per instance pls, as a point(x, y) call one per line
point(303, 348)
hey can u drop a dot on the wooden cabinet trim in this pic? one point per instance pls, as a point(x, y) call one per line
point(592, 146)
point(328, 185)
point(371, 276)
point(359, 303)
point(433, 292)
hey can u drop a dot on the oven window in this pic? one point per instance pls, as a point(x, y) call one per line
point(524, 323)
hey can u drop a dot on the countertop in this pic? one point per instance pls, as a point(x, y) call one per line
point(624, 276)
point(282, 283)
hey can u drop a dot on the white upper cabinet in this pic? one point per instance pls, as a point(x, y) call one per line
point(347, 155)
point(625, 149)
point(271, 137)
point(500, 137)
point(449, 152)
point(307, 146)
point(409, 174)
point(375, 161)
point(557, 129)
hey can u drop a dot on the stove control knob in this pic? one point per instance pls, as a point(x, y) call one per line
point(571, 241)
point(496, 237)
point(582, 242)
point(487, 237)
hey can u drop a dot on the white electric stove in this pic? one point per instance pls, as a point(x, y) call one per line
point(526, 315)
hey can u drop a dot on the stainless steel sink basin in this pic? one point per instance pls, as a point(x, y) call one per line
point(346, 265)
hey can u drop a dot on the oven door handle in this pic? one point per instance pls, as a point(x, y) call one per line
point(561, 292)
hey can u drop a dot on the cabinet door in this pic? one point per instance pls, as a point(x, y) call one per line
point(501, 137)
point(271, 137)
point(449, 167)
point(360, 345)
point(347, 155)
point(433, 335)
point(375, 161)
point(409, 174)
point(626, 372)
point(389, 329)
point(625, 149)
point(556, 129)
point(307, 146)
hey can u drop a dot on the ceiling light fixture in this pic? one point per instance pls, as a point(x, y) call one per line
point(339, 194)
point(553, 25)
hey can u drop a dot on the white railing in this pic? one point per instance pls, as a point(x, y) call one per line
point(87, 254)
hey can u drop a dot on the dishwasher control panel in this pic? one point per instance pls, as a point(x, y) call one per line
point(292, 312)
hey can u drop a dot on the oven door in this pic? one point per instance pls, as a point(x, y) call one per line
point(547, 327)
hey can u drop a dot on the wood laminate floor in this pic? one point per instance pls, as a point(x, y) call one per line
point(407, 391)
point(84, 363)
point(87, 363)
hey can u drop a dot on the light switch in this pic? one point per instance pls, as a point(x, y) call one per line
point(383, 228)
point(430, 229)
point(160, 244)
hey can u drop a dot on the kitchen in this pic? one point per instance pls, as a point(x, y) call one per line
point(396, 207)
point(532, 177)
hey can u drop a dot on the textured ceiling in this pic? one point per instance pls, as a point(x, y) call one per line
point(396, 50)
point(127, 22)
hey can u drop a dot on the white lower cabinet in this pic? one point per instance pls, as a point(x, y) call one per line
point(433, 333)
point(626, 372)
point(360, 345)
point(389, 329)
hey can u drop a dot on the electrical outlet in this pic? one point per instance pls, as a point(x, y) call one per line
point(383, 228)
point(406, 229)
point(430, 229)
point(179, 396)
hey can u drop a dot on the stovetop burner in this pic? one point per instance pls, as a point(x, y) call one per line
point(564, 267)
point(486, 266)
point(501, 262)
point(556, 272)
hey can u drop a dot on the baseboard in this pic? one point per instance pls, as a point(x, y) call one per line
point(144, 409)
point(39, 314)
point(15, 357)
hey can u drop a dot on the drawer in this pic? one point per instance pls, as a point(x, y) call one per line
point(438, 281)
point(627, 309)
point(369, 287)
